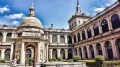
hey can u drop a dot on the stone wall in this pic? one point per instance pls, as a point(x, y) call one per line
point(61, 64)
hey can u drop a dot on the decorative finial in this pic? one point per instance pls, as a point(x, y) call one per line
point(31, 10)
point(32, 5)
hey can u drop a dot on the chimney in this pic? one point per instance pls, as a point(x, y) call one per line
point(51, 25)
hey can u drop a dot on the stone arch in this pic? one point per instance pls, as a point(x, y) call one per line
point(8, 38)
point(70, 55)
point(91, 51)
point(115, 21)
point(78, 35)
point(99, 49)
point(54, 53)
point(7, 54)
point(117, 43)
point(54, 38)
point(74, 38)
point(33, 46)
point(62, 53)
point(89, 33)
point(96, 30)
point(83, 35)
point(1, 37)
point(104, 25)
point(108, 48)
point(69, 38)
point(62, 39)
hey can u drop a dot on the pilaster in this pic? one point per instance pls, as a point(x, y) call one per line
point(58, 52)
point(3, 53)
point(66, 53)
point(23, 53)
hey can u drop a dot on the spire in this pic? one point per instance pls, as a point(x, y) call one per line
point(32, 10)
point(78, 11)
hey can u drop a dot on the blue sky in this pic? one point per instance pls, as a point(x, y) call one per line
point(56, 12)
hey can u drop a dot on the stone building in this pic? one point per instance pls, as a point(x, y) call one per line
point(87, 37)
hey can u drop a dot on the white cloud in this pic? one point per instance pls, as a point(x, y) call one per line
point(107, 5)
point(15, 22)
point(98, 9)
point(4, 9)
point(15, 16)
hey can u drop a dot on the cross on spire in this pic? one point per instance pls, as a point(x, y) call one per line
point(78, 11)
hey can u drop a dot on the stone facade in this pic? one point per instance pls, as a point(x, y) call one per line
point(87, 37)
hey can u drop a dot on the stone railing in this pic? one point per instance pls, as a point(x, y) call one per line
point(61, 64)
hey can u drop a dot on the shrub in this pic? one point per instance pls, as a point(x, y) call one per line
point(99, 60)
point(66, 60)
point(71, 60)
point(50, 59)
point(2, 60)
point(76, 58)
point(59, 59)
point(54, 59)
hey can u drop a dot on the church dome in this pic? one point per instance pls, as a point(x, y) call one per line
point(31, 21)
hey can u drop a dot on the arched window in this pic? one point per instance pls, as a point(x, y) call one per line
point(83, 35)
point(99, 49)
point(70, 55)
point(62, 53)
point(80, 52)
point(78, 35)
point(8, 38)
point(54, 53)
point(109, 51)
point(104, 25)
point(96, 30)
point(1, 36)
point(118, 46)
point(7, 54)
point(89, 33)
point(91, 51)
point(28, 53)
point(69, 38)
point(62, 39)
point(54, 38)
point(85, 54)
point(74, 38)
point(115, 21)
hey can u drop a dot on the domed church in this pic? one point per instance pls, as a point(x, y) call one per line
point(87, 37)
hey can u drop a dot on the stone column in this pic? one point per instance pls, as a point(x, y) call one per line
point(50, 53)
point(103, 50)
point(66, 41)
point(100, 28)
point(66, 53)
point(58, 52)
point(92, 31)
point(73, 50)
point(95, 50)
point(72, 38)
point(109, 23)
point(23, 53)
point(78, 53)
point(76, 38)
point(47, 52)
point(86, 35)
point(11, 52)
point(58, 38)
point(81, 36)
point(50, 38)
point(83, 53)
point(4, 37)
point(88, 52)
point(3, 53)
point(38, 53)
point(115, 55)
